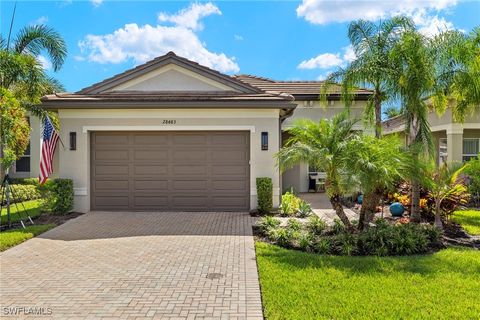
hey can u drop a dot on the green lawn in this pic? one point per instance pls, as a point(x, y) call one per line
point(33, 208)
point(300, 285)
point(469, 220)
point(11, 238)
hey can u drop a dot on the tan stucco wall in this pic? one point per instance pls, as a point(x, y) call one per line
point(76, 164)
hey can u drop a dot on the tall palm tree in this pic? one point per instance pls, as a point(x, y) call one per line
point(323, 144)
point(413, 83)
point(376, 165)
point(372, 44)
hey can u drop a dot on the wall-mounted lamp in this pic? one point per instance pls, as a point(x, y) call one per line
point(264, 141)
point(73, 141)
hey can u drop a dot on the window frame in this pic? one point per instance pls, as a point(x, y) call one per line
point(470, 155)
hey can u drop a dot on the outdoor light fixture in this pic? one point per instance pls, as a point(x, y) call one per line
point(264, 141)
point(73, 141)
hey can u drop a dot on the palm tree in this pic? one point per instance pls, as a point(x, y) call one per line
point(445, 182)
point(392, 112)
point(376, 165)
point(323, 144)
point(372, 44)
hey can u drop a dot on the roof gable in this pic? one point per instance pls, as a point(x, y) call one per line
point(170, 73)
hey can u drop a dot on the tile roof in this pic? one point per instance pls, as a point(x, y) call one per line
point(295, 88)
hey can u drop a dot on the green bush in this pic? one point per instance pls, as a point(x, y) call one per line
point(304, 209)
point(290, 204)
point(315, 225)
point(58, 196)
point(21, 192)
point(268, 223)
point(25, 181)
point(383, 239)
point(473, 172)
point(264, 194)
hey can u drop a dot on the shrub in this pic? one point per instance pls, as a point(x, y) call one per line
point(472, 171)
point(323, 246)
point(290, 204)
point(338, 227)
point(264, 194)
point(281, 236)
point(293, 225)
point(315, 225)
point(305, 242)
point(25, 181)
point(58, 196)
point(22, 192)
point(304, 209)
point(268, 223)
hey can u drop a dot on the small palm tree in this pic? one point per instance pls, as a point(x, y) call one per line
point(323, 144)
point(444, 182)
point(372, 67)
point(376, 165)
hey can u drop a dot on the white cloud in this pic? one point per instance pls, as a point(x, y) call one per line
point(41, 20)
point(190, 17)
point(46, 64)
point(322, 61)
point(238, 37)
point(349, 54)
point(329, 60)
point(142, 43)
point(326, 11)
point(96, 3)
point(430, 25)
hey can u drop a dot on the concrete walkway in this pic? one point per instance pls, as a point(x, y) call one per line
point(136, 266)
point(322, 207)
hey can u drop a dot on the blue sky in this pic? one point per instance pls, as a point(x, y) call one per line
point(287, 40)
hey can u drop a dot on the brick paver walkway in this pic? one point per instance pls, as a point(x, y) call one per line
point(137, 265)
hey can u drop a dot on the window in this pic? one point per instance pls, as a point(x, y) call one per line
point(442, 151)
point(23, 164)
point(471, 148)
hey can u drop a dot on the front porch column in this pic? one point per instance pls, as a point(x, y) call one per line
point(455, 143)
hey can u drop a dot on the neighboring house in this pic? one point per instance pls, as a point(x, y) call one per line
point(174, 135)
point(453, 141)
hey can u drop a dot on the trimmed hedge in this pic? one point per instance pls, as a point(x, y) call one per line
point(264, 194)
point(58, 195)
point(22, 192)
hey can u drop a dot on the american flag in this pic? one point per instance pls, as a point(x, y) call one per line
point(49, 144)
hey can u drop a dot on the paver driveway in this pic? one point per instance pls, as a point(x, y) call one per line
point(137, 265)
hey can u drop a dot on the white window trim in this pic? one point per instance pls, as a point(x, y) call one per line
point(470, 154)
point(86, 129)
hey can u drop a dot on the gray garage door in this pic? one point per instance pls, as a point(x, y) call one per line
point(189, 171)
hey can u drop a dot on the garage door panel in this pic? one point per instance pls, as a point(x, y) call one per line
point(231, 184)
point(164, 171)
point(111, 154)
point(188, 170)
point(103, 170)
point(150, 139)
point(189, 185)
point(102, 185)
point(111, 201)
point(229, 170)
point(239, 140)
point(150, 154)
point(188, 155)
point(189, 139)
point(111, 139)
point(159, 185)
point(150, 201)
point(150, 170)
point(223, 156)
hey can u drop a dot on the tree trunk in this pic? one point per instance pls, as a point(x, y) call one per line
point(378, 114)
point(369, 208)
point(415, 215)
point(337, 206)
point(438, 217)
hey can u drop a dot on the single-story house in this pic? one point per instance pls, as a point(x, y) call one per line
point(171, 134)
point(454, 141)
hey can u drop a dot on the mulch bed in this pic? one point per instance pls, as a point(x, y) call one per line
point(45, 218)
